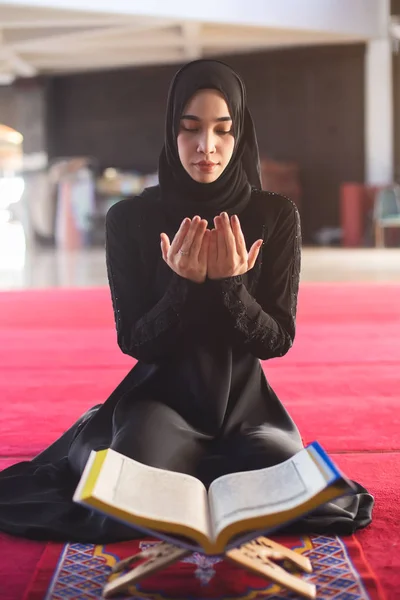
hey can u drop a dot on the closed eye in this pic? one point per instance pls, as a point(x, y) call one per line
point(194, 130)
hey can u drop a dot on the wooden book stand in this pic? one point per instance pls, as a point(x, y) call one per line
point(259, 556)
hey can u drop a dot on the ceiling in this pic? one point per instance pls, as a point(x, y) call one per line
point(47, 40)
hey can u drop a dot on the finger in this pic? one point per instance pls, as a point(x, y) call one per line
point(198, 238)
point(189, 237)
point(220, 237)
point(203, 254)
point(253, 254)
point(230, 240)
point(180, 235)
point(165, 245)
point(222, 251)
point(239, 237)
point(213, 247)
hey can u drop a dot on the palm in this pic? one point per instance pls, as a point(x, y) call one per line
point(227, 253)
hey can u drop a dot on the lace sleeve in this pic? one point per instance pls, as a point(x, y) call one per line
point(266, 323)
point(146, 330)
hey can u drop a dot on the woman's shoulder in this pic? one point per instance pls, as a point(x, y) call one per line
point(134, 207)
point(279, 215)
point(273, 205)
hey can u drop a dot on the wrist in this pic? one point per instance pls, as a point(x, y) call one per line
point(225, 277)
point(197, 279)
point(226, 281)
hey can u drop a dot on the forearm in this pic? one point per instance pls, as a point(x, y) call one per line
point(262, 334)
point(149, 316)
point(156, 333)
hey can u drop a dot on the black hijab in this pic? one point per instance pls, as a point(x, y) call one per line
point(182, 195)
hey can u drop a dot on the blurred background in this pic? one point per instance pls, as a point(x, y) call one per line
point(83, 87)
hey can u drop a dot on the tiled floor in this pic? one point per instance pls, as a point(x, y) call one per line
point(22, 267)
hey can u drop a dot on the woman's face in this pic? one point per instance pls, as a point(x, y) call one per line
point(205, 141)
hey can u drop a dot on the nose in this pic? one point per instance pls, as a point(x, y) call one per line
point(206, 143)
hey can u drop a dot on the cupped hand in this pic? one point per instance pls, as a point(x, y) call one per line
point(187, 254)
point(227, 252)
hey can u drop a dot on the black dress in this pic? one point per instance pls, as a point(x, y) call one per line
point(197, 401)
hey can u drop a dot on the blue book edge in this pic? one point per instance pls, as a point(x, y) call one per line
point(337, 474)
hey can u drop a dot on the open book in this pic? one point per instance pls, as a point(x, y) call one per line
point(237, 507)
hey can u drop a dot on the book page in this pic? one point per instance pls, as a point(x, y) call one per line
point(153, 493)
point(249, 494)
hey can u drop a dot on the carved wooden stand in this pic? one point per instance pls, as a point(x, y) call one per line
point(259, 556)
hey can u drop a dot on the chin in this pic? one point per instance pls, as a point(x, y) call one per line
point(204, 177)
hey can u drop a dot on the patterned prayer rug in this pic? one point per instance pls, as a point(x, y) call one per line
point(79, 572)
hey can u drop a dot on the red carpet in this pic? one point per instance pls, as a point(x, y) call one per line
point(340, 382)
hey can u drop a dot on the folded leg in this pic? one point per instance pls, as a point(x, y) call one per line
point(156, 435)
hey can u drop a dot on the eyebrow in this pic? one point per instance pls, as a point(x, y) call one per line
point(194, 118)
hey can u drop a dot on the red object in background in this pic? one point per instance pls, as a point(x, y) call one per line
point(356, 201)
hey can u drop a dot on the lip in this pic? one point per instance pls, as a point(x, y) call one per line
point(205, 166)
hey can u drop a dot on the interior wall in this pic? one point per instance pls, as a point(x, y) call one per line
point(395, 7)
point(8, 114)
point(308, 106)
point(23, 107)
point(396, 114)
point(395, 10)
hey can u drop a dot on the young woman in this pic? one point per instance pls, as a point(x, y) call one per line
point(204, 275)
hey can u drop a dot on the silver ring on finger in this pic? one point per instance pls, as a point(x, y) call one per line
point(183, 252)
